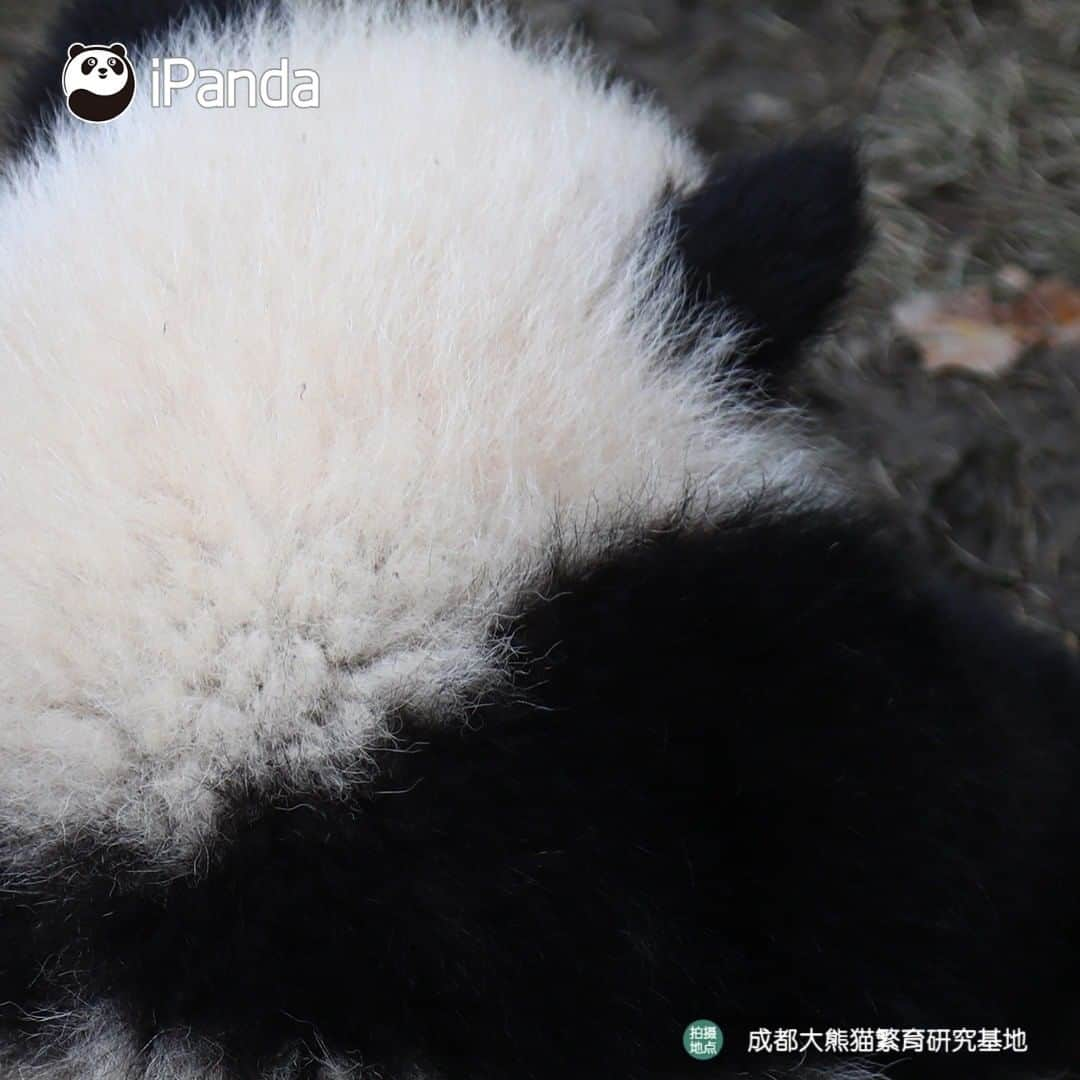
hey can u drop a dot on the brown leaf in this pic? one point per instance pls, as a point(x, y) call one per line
point(970, 330)
point(957, 331)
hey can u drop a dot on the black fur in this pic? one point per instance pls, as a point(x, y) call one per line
point(759, 774)
point(775, 239)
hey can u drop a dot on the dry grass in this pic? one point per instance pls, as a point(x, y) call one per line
point(975, 152)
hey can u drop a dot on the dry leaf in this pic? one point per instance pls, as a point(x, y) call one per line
point(972, 330)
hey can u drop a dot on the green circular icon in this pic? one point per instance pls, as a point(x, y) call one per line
point(703, 1039)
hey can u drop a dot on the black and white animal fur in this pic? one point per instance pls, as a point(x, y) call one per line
point(422, 653)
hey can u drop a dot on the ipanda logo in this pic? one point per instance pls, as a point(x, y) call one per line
point(276, 88)
point(99, 83)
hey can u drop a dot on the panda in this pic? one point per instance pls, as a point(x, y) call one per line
point(431, 648)
point(98, 81)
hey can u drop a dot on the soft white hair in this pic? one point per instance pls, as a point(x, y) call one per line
point(294, 400)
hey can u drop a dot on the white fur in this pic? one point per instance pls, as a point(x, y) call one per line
point(95, 1042)
point(293, 400)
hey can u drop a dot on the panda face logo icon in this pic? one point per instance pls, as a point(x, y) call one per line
point(99, 81)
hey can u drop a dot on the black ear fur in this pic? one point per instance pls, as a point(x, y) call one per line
point(75, 48)
point(119, 49)
point(775, 239)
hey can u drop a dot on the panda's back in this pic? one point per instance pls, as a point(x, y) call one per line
point(326, 383)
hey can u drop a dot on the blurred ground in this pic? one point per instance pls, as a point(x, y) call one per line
point(969, 116)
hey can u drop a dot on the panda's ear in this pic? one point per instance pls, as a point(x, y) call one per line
point(75, 48)
point(774, 240)
point(119, 49)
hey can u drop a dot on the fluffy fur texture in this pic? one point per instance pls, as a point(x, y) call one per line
point(581, 836)
point(421, 656)
point(314, 417)
point(782, 262)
